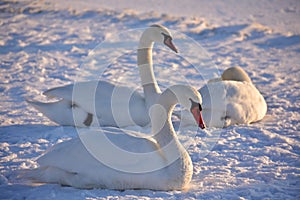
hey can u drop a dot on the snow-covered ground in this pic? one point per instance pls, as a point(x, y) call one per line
point(43, 44)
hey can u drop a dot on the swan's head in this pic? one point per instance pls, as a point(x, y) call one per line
point(190, 99)
point(235, 74)
point(161, 34)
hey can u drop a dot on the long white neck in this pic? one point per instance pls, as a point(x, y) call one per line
point(160, 113)
point(149, 83)
point(168, 144)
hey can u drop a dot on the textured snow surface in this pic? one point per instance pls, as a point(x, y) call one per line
point(42, 45)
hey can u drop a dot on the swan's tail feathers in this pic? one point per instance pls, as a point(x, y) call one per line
point(48, 174)
point(65, 113)
point(64, 92)
point(60, 111)
point(36, 175)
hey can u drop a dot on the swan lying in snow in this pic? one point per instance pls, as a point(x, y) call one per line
point(157, 162)
point(231, 99)
point(102, 103)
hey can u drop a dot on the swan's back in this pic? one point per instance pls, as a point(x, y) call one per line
point(231, 102)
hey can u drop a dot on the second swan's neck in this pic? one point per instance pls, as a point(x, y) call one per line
point(162, 127)
point(149, 83)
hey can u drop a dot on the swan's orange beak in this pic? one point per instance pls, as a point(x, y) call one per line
point(168, 42)
point(198, 117)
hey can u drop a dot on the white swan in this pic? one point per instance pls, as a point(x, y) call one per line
point(231, 99)
point(157, 162)
point(102, 103)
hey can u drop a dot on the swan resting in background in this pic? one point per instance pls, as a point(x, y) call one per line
point(229, 100)
point(95, 103)
point(157, 162)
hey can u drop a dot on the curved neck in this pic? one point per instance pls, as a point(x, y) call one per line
point(149, 83)
point(162, 128)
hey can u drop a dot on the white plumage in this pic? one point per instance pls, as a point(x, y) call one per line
point(231, 99)
point(116, 160)
point(102, 103)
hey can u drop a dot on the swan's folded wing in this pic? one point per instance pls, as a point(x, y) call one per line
point(119, 151)
point(68, 92)
point(130, 141)
point(83, 94)
point(71, 156)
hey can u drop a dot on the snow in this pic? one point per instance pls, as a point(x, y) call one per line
point(43, 44)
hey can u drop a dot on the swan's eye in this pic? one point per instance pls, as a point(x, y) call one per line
point(200, 107)
point(194, 104)
point(168, 42)
point(166, 37)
